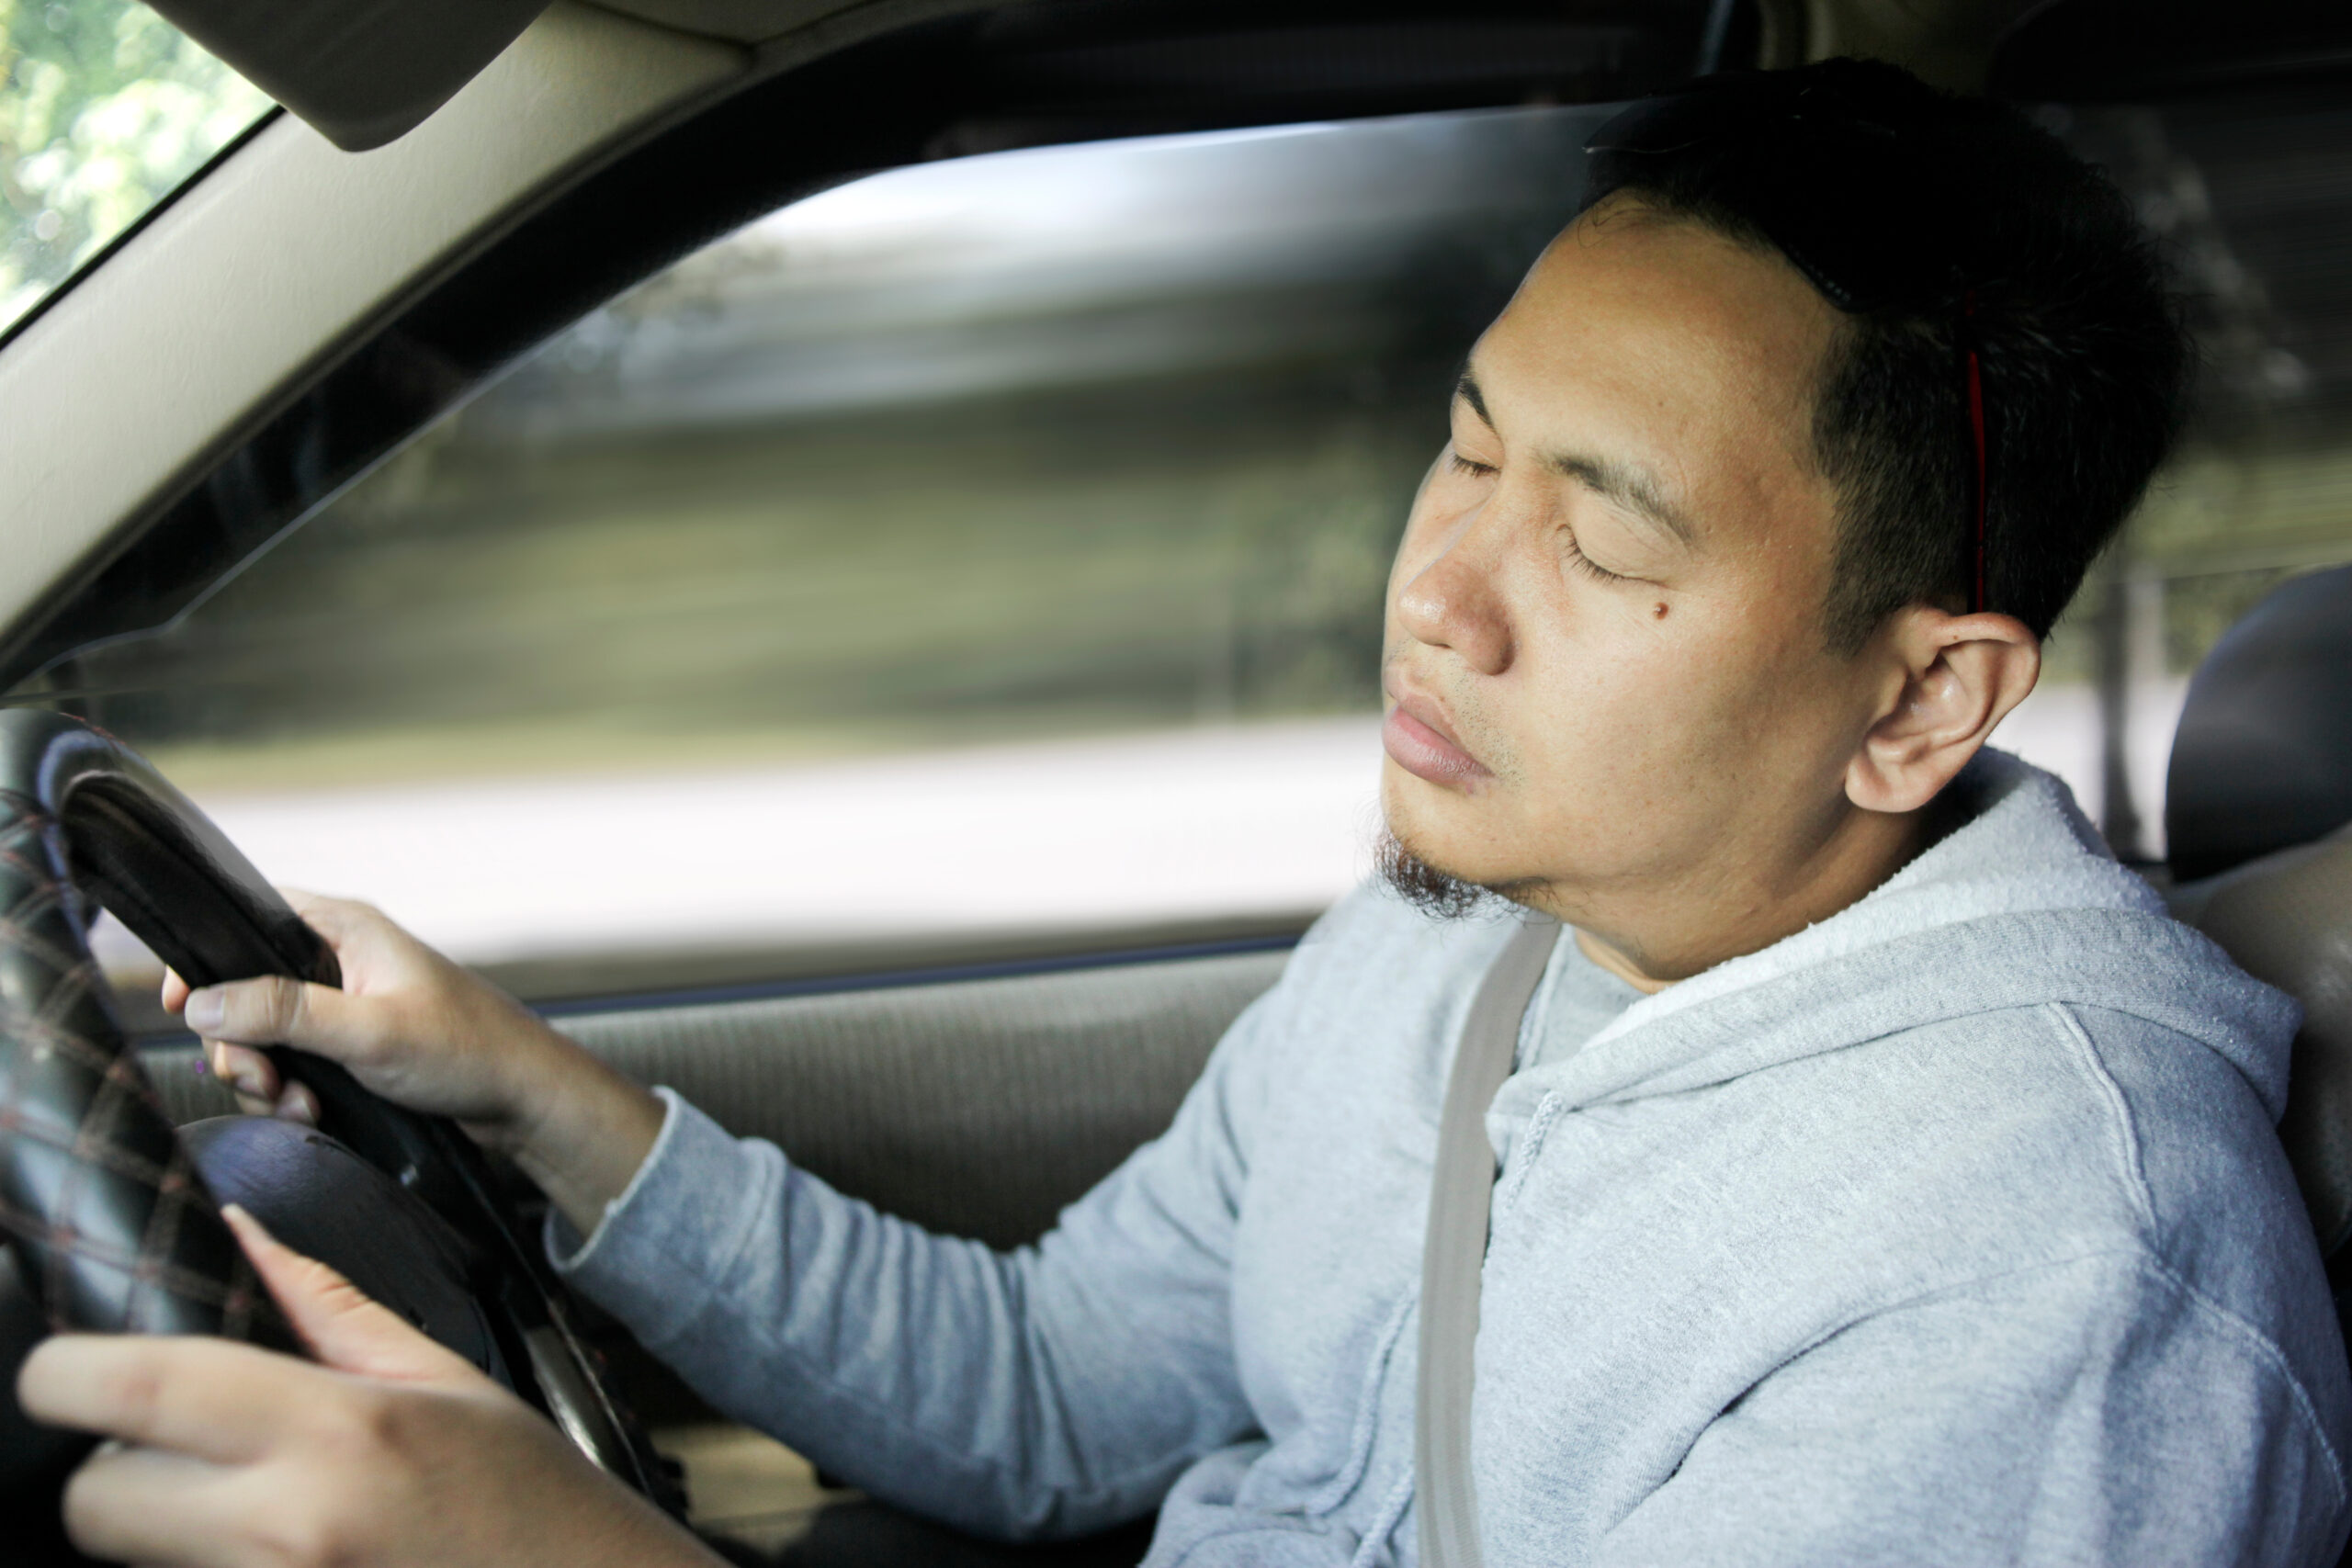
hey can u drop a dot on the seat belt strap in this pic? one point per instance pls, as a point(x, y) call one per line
point(1453, 1256)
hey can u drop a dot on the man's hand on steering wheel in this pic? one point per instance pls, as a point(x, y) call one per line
point(426, 1033)
point(390, 1450)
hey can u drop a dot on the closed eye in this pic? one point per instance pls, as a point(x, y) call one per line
point(1584, 563)
point(1473, 469)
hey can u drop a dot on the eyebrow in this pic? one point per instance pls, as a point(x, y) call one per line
point(1626, 486)
point(1465, 387)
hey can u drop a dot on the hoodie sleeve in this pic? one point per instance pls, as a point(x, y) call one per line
point(2092, 1411)
point(1046, 1392)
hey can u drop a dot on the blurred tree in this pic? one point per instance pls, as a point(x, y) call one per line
point(105, 107)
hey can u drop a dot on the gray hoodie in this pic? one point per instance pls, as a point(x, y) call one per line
point(1951, 1229)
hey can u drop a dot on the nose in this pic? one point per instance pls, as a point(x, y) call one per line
point(1454, 600)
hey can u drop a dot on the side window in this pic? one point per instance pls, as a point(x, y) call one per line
point(2247, 195)
point(104, 108)
point(985, 555)
point(978, 554)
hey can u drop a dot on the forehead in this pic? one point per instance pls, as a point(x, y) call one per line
point(1654, 340)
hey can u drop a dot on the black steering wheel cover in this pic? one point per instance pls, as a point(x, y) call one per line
point(143, 851)
point(113, 1228)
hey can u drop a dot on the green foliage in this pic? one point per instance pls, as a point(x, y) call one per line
point(104, 109)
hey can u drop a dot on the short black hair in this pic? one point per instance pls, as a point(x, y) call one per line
point(2021, 250)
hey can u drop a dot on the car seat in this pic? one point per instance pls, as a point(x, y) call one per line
point(2258, 816)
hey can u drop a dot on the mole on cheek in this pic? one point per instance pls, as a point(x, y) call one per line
point(1658, 614)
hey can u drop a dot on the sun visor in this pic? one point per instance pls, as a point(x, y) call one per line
point(361, 71)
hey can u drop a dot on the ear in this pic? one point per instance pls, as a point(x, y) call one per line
point(1951, 679)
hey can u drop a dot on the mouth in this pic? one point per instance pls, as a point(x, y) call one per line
point(1419, 739)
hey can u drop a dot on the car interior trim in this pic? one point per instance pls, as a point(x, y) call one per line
point(132, 230)
point(212, 315)
point(979, 1107)
point(822, 973)
point(1051, 963)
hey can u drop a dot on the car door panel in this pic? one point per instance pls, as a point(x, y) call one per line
point(979, 1108)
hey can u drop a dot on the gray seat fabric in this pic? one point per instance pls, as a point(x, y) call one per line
point(2261, 777)
point(2287, 919)
point(2263, 759)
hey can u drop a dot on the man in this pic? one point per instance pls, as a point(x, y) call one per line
point(1885, 1177)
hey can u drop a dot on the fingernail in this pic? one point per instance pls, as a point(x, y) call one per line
point(205, 1010)
point(247, 1079)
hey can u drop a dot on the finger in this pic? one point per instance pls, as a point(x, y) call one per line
point(342, 1326)
point(341, 921)
point(205, 1398)
point(249, 1073)
point(297, 1103)
point(175, 991)
point(149, 1507)
point(275, 1010)
point(374, 949)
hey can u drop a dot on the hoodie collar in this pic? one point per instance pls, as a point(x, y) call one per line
point(2021, 904)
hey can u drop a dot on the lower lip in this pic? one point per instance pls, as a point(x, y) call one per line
point(1424, 753)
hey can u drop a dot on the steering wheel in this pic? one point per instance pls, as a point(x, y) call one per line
point(111, 1216)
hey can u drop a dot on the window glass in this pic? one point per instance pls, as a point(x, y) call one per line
point(104, 108)
point(2252, 197)
point(993, 549)
point(990, 545)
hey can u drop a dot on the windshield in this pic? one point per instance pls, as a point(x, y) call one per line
point(105, 109)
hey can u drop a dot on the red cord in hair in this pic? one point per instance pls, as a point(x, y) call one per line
point(1976, 435)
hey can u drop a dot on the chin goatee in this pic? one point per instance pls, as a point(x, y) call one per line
point(1434, 893)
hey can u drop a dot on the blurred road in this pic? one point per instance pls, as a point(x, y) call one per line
point(1196, 823)
point(1193, 824)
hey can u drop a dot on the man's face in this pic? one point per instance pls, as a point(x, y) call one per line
point(1607, 675)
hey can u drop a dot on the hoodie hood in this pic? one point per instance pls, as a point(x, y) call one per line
point(2021, 905)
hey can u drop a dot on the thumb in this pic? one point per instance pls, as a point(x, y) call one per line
point(343, 1328)
point(272, 1010)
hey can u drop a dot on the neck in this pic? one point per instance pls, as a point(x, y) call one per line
point(1652, 937)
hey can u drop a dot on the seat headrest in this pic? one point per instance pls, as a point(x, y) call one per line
point(2263, 759)
point(2287, 919)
